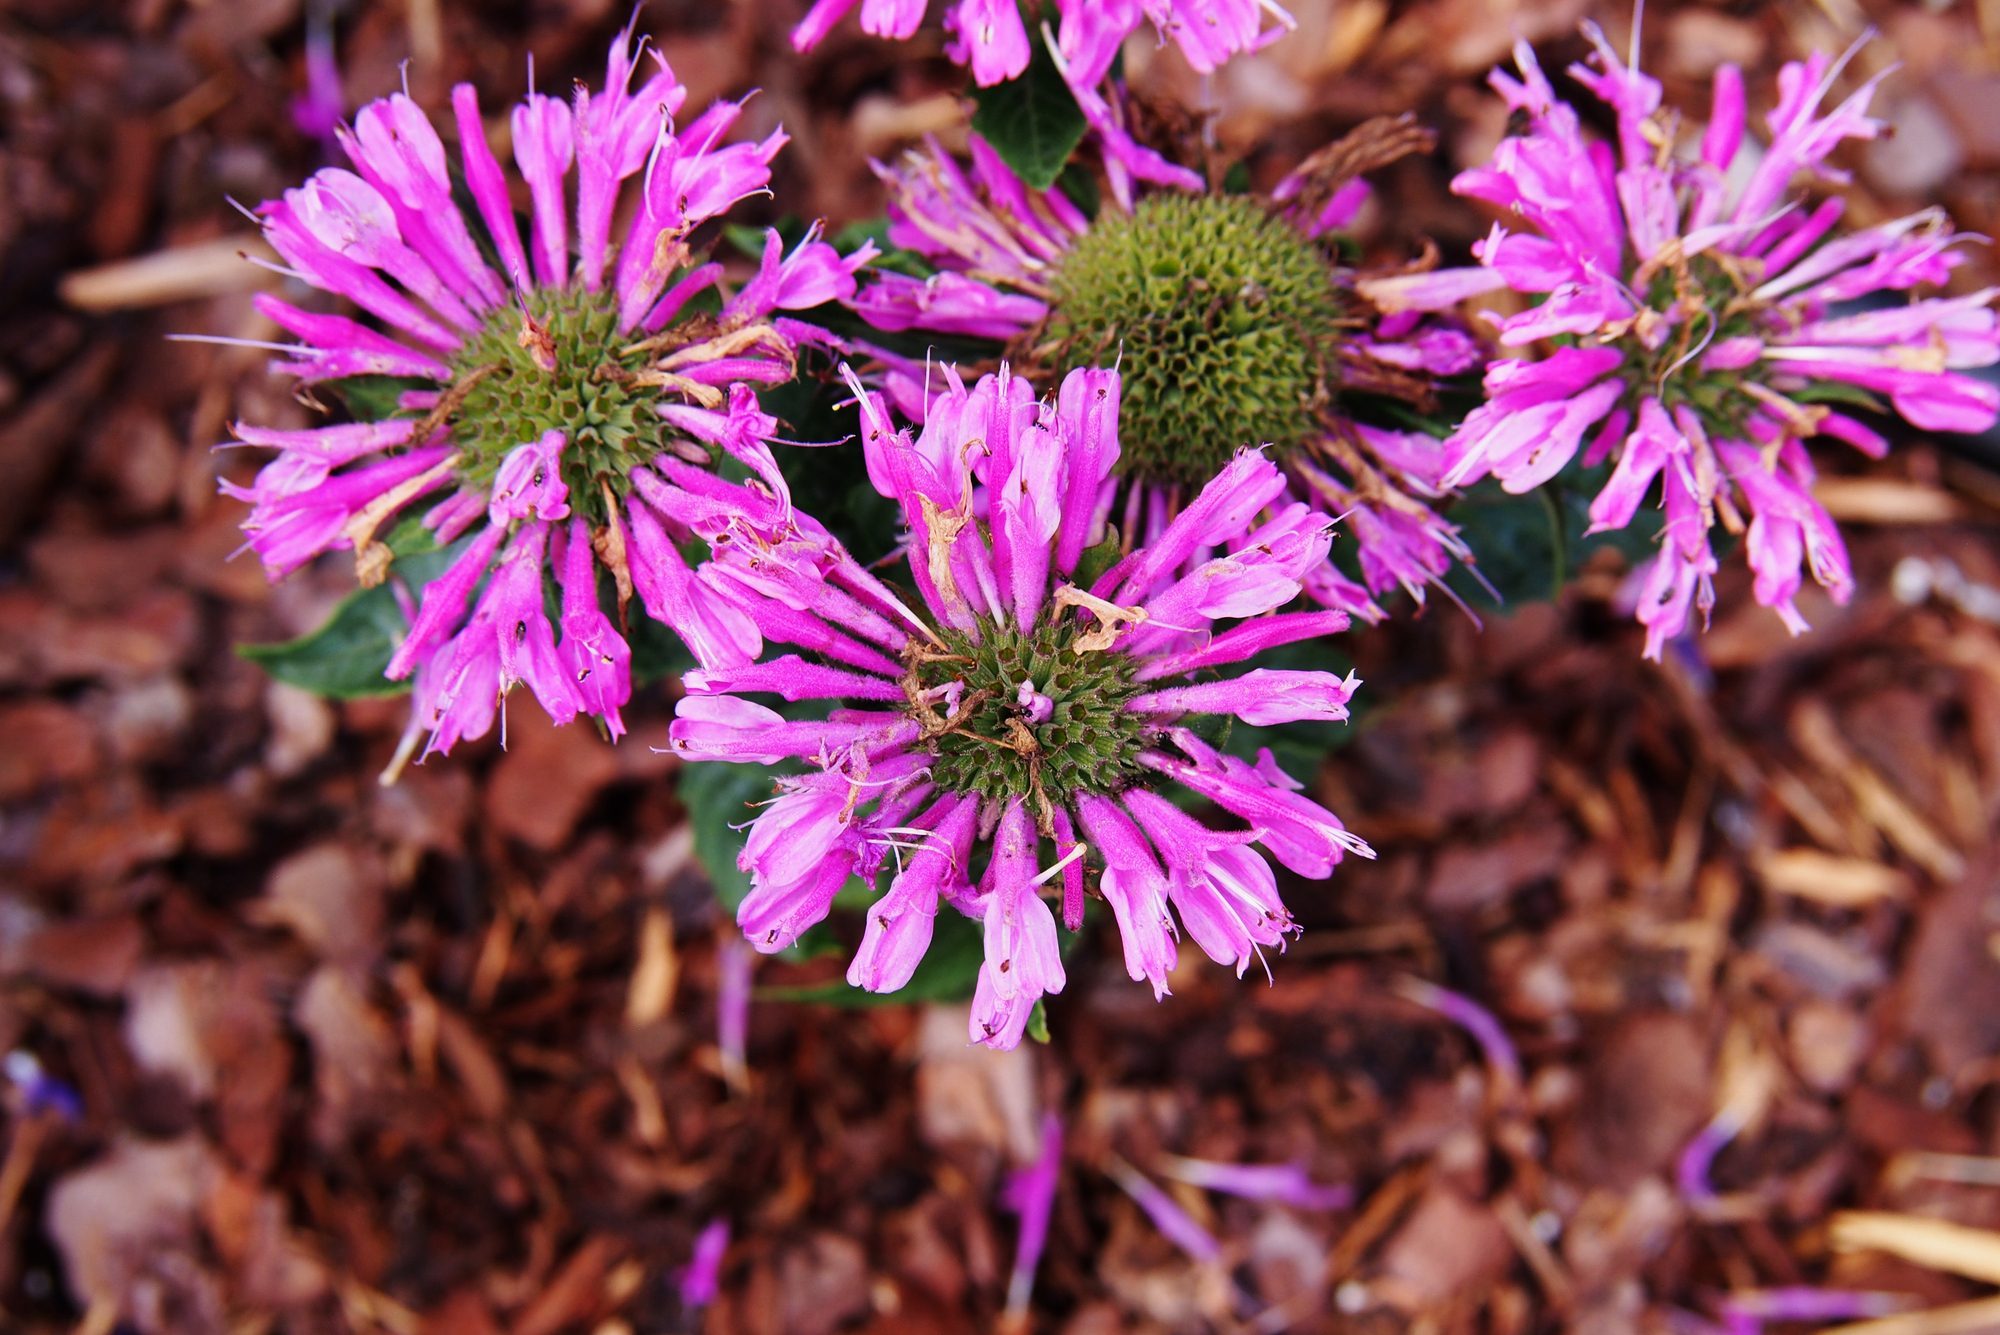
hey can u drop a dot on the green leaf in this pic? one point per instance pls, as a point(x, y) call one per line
point(345, 658)
point(717, 796)
point(1038, 1021)
point(1530, 546)
point(657, 653)
point(1520, 542)
point(1033, 122)
point(746, 240)
point(892, 257)
point(949, 970)
point(1388, 412)
point(410, 539)
point(1095, 561)
point(1079, 184)
point(854, 235)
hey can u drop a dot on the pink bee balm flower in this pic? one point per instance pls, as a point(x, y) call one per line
point(1703, 324)
point(992, 37)
point(563, 394)
point(1016, 732)
point(1233, 323)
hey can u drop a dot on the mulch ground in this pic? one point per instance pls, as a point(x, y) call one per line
point(442, 1057)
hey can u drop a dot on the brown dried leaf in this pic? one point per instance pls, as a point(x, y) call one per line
point(330, 897)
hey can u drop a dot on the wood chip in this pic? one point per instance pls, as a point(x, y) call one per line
point(575, 1292)
point(1817, 734)
point(1887, 500)
point(1935, 1243)
point(1973, 1318)
point(1826, 878)
point(657, 973)
point(185, 273)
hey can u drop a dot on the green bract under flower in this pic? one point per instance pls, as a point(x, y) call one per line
point(990, 745)
point(1712, 293)
point(1222, 319)
point(564, 367)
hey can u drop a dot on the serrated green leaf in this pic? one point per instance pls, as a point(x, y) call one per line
point(1032, 122)
point(717, 796)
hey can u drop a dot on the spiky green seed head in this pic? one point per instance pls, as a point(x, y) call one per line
point(1223, 319)
point(563, 368)
point(1089, 744)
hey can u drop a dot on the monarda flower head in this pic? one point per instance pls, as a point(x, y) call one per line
point(1703, 323)
point(1024, 724)
point(992, 36)
point(1230, 316)
point(557, 383)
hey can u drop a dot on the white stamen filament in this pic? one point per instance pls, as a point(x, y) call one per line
point(1069, 857)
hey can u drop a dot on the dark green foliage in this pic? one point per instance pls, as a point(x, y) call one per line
point(1298, 747)
point(1032, 122)
point(657, 653)
point(949, 971)
point(829, 481)
point(1097, 561)
point(345, 657)
point(1530, 546)
point(718, 796)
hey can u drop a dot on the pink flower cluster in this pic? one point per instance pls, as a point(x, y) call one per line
point(1028, 710)
point(996, 245)
point(1002, 496)
point(992, 38)
point(574, 331)
point(1706, 323)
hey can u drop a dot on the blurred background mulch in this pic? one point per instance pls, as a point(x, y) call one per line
point(293, 1051)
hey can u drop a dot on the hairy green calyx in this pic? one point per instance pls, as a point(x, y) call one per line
point(1226, 319)
point(562, 366)
point(989, 745)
